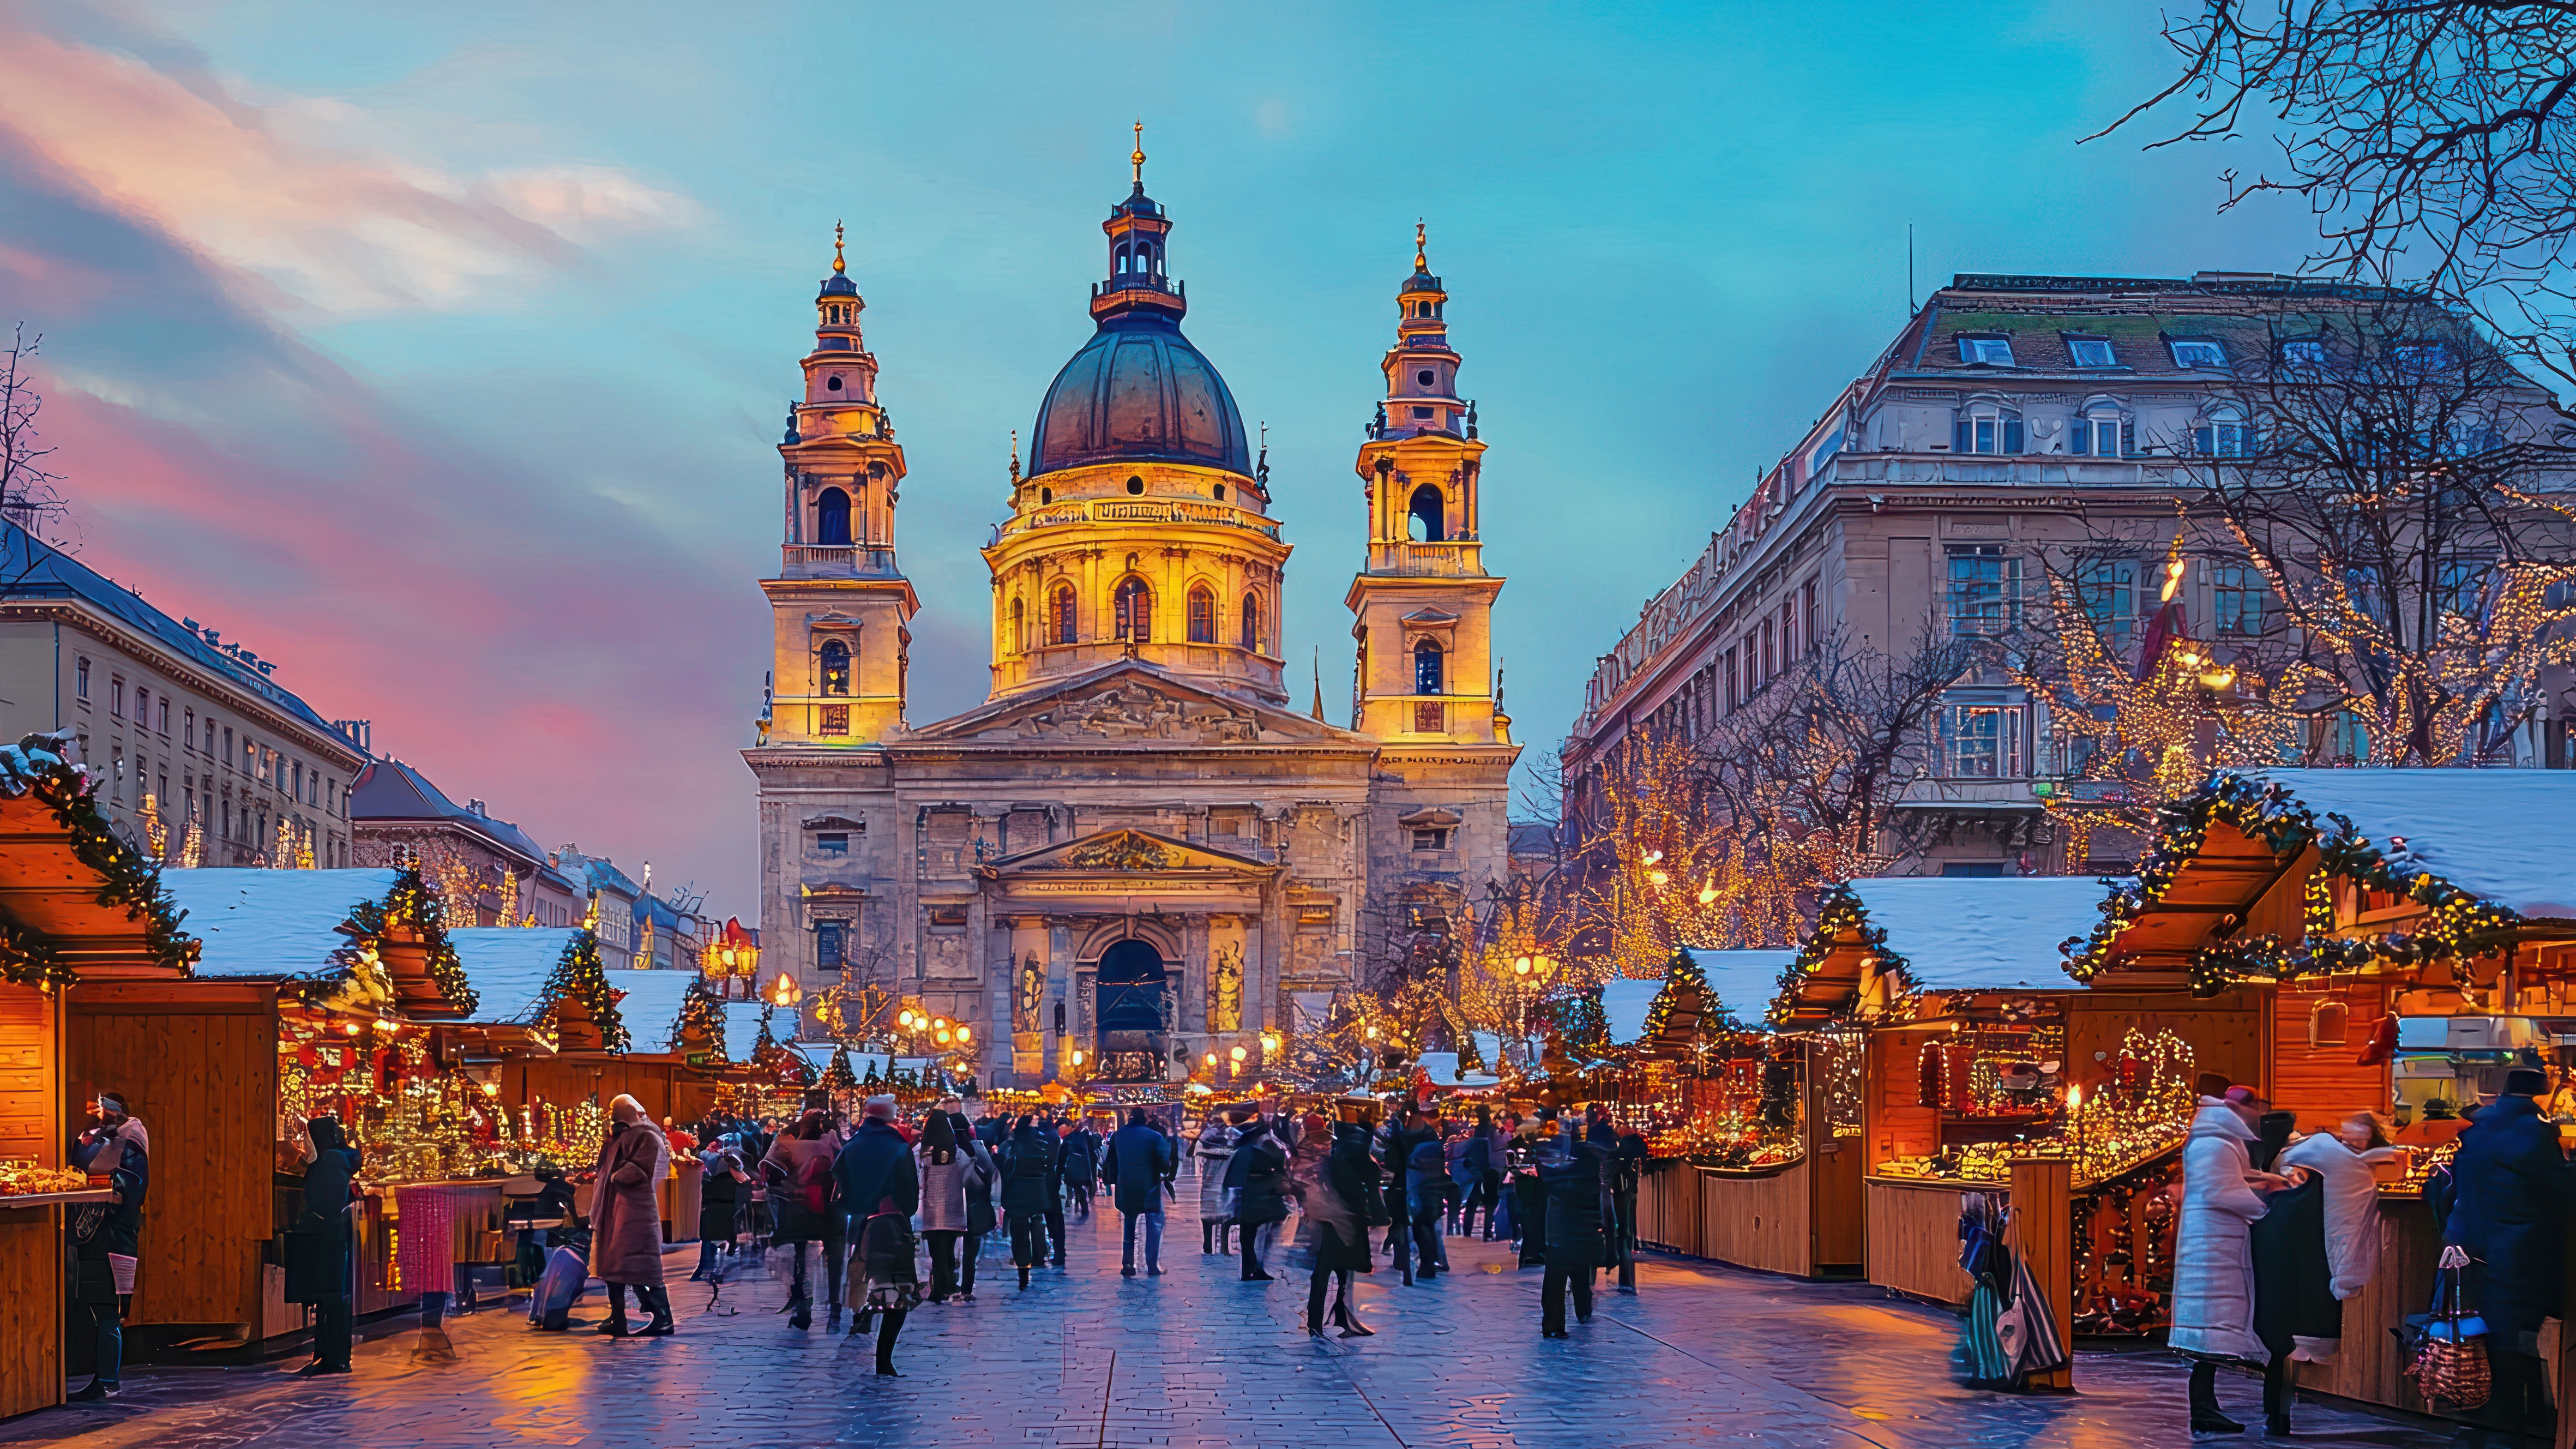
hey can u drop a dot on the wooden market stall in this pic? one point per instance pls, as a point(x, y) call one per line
point(1984, 1052)
point(1754, 1132)
point(312, 996)
point(76, 904)
point(2415, 933)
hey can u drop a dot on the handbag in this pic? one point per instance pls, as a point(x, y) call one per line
point(2026, 1329)
point(2446, 1348)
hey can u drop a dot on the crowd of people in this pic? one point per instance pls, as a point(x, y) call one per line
point(874, 1196)
point(2278, 1230)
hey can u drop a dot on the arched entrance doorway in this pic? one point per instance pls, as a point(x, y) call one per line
point(1129, 1012)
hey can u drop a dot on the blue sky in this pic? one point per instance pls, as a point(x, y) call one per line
point(441, 350)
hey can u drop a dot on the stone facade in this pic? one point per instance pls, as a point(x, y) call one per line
point(1134, 848)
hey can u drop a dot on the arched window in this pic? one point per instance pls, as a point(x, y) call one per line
point(1427, 673)
point(836, 667)
point(1202, 616)
point(1421, 309)
point(1135, 612)
point(1019, 626)
point(1252, 622)
point(1428, 509)
point(1063, 608)
point(832, 517)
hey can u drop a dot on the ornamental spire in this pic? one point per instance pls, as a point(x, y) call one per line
point(1137, 159)
point(839, 267)
point(1421, 253)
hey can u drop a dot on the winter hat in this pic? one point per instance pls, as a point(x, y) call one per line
point(2526, 1082)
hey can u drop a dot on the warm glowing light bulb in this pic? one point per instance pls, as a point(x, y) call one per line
point(1521, 967)
point(1269, 1042)
point(1211, 1059)
point(1708, 893)
point(965, 1033)
point(350, 1027)
point(1372, 1033)
point(1238, 1054)
point(1659, 878)
point(491, 1089)
point(1077, 1056)
point(942, 1035)
point(2074, 1095)
point(939, 1021)
point(903, 1018)
point(1654, 856)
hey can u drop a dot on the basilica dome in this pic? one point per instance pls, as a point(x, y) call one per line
point(1138, 391)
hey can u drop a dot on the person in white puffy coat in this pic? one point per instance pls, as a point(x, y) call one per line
point(1213, 1149)
point(2213, 1286)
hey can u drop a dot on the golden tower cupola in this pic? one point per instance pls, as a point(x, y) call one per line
point(1140, 530)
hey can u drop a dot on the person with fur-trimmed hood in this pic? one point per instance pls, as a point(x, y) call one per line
point(2213, 1284)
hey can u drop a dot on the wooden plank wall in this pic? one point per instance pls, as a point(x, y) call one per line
point(567, 1080)
point(2367, 1368)
point(2325, 1084)
point(31, 1238)
point(2226, 1032)
point(1899, 1125)
point(1834, 1184)
point(1913, 1239)
point(1668, 1209)
point(203, 1081)
point(1759, 1222)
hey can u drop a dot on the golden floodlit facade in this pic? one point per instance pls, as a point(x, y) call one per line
point(1135, 852)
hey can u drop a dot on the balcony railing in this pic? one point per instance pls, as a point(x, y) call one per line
point(834, 561)
point(1463, 558)
point(1141, 510)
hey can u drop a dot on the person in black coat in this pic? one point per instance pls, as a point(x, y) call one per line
point(1055, 1130)
point(317, 1264)
point(107, 1237)
point(1258, 1174)
point(1627, 1170)
point(1081, 1165)
point(1138, 1158)
point(2511, 1191)
point(1030, 1169)
point(1346, 1204)
point(879, 1180)
point(1572, 1235)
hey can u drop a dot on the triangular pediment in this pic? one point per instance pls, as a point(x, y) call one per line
point(1124, 852)
point(1129, 702)
point(1430, 618)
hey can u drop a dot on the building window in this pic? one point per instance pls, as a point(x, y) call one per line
point(828, 944)
point(2107, 588)
point(1431, 839)
point(1986, 432)
point(1821, 456)
point(116, 698)
point(1428, 511)
point(2104, 434)
point(2237, 595)
point(1202, 616)
point(2090, 352)
point(228, 744)
point(1973, 869)
point(836, 667)
point(142, 707)
point(1135, 612)
point(1252, 622)
point(188, 731)
point(1770, 658)
point(2199, 355)
point(1986, 351)
point(1982, 741)
point(1063, 610)
point(1425, 377)
point(2304, 358)
point(1985, 590)
point(1734, 696)
point(80, 680)
point(834, 843)
point(1815, 620)
point(1019, 626)
point(162, 721)
point(832, 518)
point(1135, 486)
point(836, 719)
point(1428, 676)
point(2225, 435)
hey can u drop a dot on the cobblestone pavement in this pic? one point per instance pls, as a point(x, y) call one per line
point(1699, 1356)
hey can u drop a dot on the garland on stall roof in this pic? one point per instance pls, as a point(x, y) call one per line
point(1841, 911)
point(412, 903)
point(838, 1076)
point(39, 765)
point(2457, 923)
point(578, 974)
point(702, 1018)
point(775, 1063)
point(1682, 973)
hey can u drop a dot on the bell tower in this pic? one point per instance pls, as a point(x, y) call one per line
point(1423, 605)
point(840, 606)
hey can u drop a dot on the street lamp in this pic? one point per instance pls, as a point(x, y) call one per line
point(784, 991)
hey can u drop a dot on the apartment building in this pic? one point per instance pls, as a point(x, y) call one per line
point(2015, 424)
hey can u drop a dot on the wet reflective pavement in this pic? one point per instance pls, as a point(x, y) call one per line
point(1699, 1356)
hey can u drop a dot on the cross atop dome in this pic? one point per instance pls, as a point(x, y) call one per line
point(1138, 159)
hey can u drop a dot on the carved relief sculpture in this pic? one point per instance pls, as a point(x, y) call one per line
point(1125, 850)
point(1032, 992)
point(1225, 1000)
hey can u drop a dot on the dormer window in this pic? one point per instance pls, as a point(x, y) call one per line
point(1986, 429)
point(2090, 352)
point(2198, 354)
point(1426, 377)
point(1986, 351)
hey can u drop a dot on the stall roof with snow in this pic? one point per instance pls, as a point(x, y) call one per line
point(2262, 855)
point(543, 980)
point(85, 904)
point(1880, 940)
point(651, 1003)
point(320, 927)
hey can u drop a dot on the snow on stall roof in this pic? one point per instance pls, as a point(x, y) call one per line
point(1969, 933)
point(271, 922)
point(651, 1009)
point(507, 966)
point(1442, 1069)
point(2496, 834)
point(741, 1028)
point(1624, 1000)
point(1745, 981)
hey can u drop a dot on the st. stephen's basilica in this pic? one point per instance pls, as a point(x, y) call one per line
point(1136, 847)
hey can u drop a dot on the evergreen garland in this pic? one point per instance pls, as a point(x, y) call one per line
point(773, 1062)
point(412, 903)
point(578, 974)
point(838, 1076)
point(2457, 923)
point(1681, 973)
point(702, 1018)
point(38, 766)
point(1841, 911)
